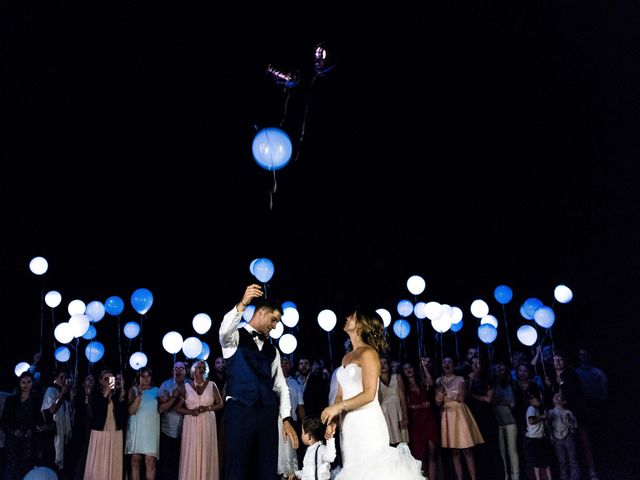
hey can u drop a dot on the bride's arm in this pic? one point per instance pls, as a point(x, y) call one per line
point(370, 365)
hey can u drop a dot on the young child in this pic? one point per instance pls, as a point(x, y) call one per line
point(537, 447)
point(563, 426)
point(318, 456)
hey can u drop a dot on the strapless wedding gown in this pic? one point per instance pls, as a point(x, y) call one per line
point(366, 454)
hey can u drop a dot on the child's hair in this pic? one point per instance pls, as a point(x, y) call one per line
point(314, 427)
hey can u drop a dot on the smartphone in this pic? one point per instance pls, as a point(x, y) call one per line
point(112, 383)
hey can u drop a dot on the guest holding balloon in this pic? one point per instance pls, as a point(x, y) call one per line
point(56, 407)
point(143, 427)
point(198, 402)
point(105, 457)
point(256, 391)
point(82, 420)
point(19, 419)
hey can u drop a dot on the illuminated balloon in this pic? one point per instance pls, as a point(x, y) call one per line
point(418, 310)
point(41, 473)
point(201, 323)
point(62, 354)
point(327, 320)
point(401, 328)
point(433, 310)
point(251, 265)
point(544, 316)
point(487, 333)
point(404, 308)
point(192, 347)
point(527, 335)
point(479, 308)
point(91, 333)
point(456, 315)
point(94, 351)
point(38, 265)
point(563, 294)
point(248, 312)
point(53, 299)
point(20, 368)
point(287, 343)
point(263, 269)
point(278, 331)
point(524, 314)
point(114, 305)
point(416, 284)
point(76, 307)
point(206, 351)
point(172, 342)
point(95, 311)
point(490, 319)
point(80, 323)
point(272, 148)
point(441, 324)
point(503, 294)
point(131, 329)
point(385, 315)
point(290, 317)
point(63, 332)
point(138, 360)
point(289, 304)
point(530, 306)
point(141, 300)
point(456, 327)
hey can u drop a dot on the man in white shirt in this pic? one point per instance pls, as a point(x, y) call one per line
point(257, 391)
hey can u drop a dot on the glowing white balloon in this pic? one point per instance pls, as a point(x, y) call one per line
point(278, 331)
point(138, 360)
point(418, 310)
point(433, 310)
point(544, 316)
point(479, 308)
point(95, 311)
point(327, 320)
point(38, 265)
point(386, 316)
point(192, 347)
point(490, 319)
point(290, 317)
point(248, 312)
point(63, 333)
point(201, 323)
point(288, 343)
point(53, 299)
point(456, 315)
point(76, 307)
point(563, 294)
point(442, 324)
point(416, 284)
point(21, 368)
point(527, 335)
point(79, 324)
point(172, 342)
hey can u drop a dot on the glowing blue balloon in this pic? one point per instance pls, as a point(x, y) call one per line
point(141, 300)
point(91, 333)
point(487, 333)
point(248, 312)
point(263, 269)
point(114, 305)
point(41, 473)
point(289, 305)
point(503, 294)
point(401, 328)
point(206, 351)
point(524, 314)
point(456, 327)
point(131, 329)
point(530, 306)
point(63, 354)
point(94, 351)
point(544, 316)
point(272, 148)
point(405, 308)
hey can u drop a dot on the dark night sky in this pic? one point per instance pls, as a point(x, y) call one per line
point(473, 143)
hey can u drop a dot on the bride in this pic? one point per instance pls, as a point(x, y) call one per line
point(366, 453)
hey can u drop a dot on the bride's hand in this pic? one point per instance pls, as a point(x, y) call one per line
point(329, 413)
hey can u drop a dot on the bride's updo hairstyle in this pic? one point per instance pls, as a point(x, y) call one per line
point(371, 329)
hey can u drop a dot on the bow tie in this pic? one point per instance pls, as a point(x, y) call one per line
point(258, 334)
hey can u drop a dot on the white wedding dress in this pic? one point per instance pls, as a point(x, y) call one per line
point(366, 454)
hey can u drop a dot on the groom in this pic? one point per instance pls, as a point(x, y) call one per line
point(256, 391)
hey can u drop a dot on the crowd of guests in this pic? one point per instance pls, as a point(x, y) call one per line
point(530, 418)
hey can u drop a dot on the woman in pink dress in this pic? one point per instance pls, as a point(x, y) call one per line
point(198, 402)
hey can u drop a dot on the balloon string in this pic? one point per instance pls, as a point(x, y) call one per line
point(119, 345)
point(455, 335)
point(330, 353)
point(53, 325)
point(41, 314)
point(304, 117)
point(286, 106)
point(506, 327)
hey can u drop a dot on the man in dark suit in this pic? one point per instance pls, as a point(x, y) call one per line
point(256, 391)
